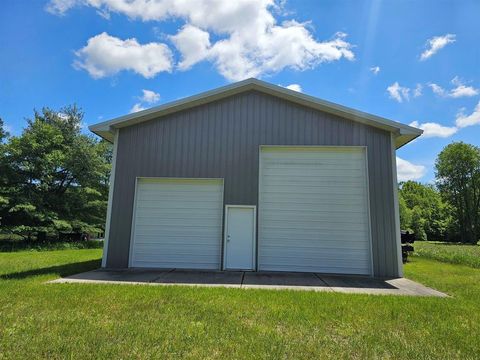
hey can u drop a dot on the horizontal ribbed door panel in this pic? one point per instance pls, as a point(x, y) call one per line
point(178, 223)
point(313, 210)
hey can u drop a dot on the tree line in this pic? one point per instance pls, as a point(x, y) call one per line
point(53, 178)
point(449, 209)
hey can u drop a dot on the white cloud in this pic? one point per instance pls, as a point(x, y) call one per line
point(459, 89)
point(249, 42)
point(463, 120)
point(418, 90)
point(398, 93)
point(137, 107)
point(436, 43)
point(194, 45)
point(408, 171)
point(106, 55)
point(60, 7)
point(150, 96)
point(294, 87)
point(437, 89)
point(375, 69)
point(431, 129)
point(463, 91)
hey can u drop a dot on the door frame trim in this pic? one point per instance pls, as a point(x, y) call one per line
point(254, 235)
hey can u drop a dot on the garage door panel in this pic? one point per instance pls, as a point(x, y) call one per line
point(308, 268)
point(178, 223)
point(329, 154)
point(313, 211)
point(298, 204)
point(340, 238)
point(175, 223)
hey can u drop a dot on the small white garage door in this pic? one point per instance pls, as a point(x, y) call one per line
point(177, 223)
point(313, 210)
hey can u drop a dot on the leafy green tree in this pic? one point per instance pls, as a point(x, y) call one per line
point(458, 179)
point(422, 210)
point(3, 166)
point(56, 177)
point(405, 213)
point(3, 132)
point(418, 223)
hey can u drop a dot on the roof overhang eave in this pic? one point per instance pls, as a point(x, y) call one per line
point(403, 133)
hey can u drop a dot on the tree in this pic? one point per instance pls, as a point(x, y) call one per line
point(55, 177)
point(423, 211)
point(458, 179)
point(418, 224)
point(405, 213)
point(3, 132)
point(3, 166)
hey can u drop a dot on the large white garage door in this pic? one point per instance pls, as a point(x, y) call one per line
point(177, 223)
point(313, 210)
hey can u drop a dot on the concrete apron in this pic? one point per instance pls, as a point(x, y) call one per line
point(256, 280)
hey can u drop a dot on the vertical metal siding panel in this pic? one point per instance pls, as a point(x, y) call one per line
point(298, 120)
point(377, 205)
point(327, 138)
point(184, 144)
point(175, 165)
point(309, 128)
point(159, 168)
point(222, 139)
point(165, 147)
point(271, 131)
point(374, 209)
point(203, 123)
point(154, 146)
point(229, 174)
point(207, 165)
point(295, 128)
point(389, 249)
point(250, 151)
point(234, 147)
point(190, 142)
point(215, 141)
point(385, 218)
point(241, 145)
point(390, 229)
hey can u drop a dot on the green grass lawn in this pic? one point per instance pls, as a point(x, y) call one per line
point(90, 321)
point(451, 253)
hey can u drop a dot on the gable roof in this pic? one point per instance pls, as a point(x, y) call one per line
point(403, 133)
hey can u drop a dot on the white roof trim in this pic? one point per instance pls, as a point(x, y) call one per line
point(403, 133)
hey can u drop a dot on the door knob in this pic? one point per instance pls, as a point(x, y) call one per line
point(228, 237)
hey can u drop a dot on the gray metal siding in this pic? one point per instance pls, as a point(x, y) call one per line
point(222, 139)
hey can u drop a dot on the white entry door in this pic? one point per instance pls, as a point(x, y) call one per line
point(240, 237)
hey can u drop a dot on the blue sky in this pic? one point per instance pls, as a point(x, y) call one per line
point(409, 61)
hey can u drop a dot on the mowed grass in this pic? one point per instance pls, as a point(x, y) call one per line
point(89, 321)
point(451, 253)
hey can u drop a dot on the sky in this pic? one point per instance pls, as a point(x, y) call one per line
point(416, 62)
